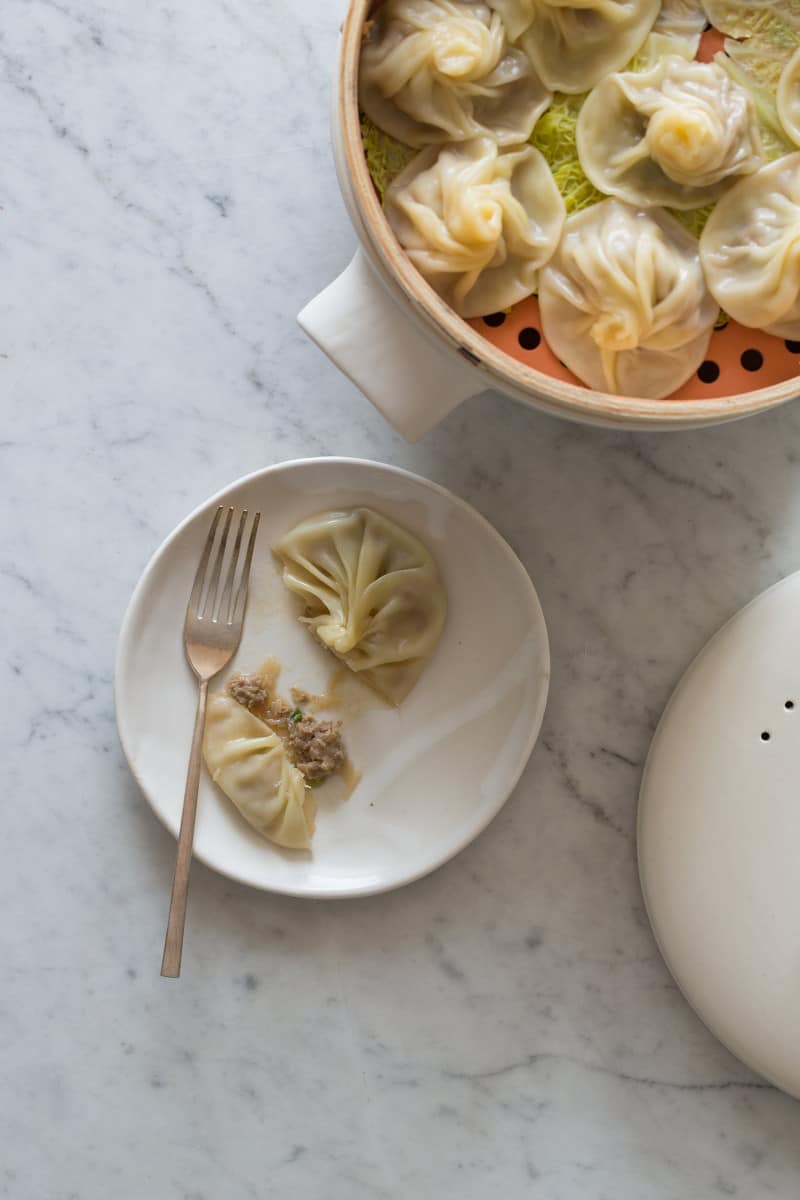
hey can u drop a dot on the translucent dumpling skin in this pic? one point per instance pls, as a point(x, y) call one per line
point(435, 71)
point(740, 18)
point(677, 134)
point(681, 19)
point(623, 301)
point(789, 98)
point(477, 222)
point(750, 249)
point(573, 46)
point(249, 763)
point(372, 593)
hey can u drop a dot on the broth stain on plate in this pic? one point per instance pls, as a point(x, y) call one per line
point(344, 693)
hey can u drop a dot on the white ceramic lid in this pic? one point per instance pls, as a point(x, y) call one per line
point(719, 835)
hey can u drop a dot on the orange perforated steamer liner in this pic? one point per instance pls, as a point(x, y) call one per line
point(738, 359)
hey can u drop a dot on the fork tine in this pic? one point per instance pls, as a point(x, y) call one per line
point(213, 587)
point(200, 575)
point(240, 602)
point(225, 610)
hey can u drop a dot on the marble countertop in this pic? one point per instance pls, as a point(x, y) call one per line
point(505, 1026)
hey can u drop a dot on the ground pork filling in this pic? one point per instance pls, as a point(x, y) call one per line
point(315, 747)
point(248, 690)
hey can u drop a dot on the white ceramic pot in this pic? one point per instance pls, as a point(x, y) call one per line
point(409, 353)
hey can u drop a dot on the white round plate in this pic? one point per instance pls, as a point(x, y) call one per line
point(719, 835)
point(434, 771)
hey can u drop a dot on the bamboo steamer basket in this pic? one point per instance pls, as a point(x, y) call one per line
point(416, 360)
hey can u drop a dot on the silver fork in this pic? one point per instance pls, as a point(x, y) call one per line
point(211, 635)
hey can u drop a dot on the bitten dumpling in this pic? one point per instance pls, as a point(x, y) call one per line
point(674, 135)
point(623, 301)
point(477, 222)
point(750, 249)
point(372, 592)
point(249, 763)
point(435, 71)
point(573, 46)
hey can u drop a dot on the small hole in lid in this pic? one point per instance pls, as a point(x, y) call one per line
point(765, 736)
point(789, 704)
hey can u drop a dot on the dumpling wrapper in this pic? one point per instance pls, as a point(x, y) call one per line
point(682, 19)
point(741, 18)
point(658, 45)
point(573, 47)
point(789, 98)
point(372, 592)
point(249, 763)
point(750, 249)
point(623, 301)
point(435, 71)
point(675, 135)
point(477, 222)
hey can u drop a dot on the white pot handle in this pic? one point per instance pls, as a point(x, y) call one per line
point(365, 332)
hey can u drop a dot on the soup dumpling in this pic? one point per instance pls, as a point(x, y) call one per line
point(673, 135)
point(249, 763)
point(750, 249)
point(740, 20)
point(435, 71)
point(372, 592)
point(573, 47)
point(623, 301)
point(682, 19)
point(789, 98)
point(477, 222)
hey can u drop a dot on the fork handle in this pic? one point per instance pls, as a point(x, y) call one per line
point(173, 943)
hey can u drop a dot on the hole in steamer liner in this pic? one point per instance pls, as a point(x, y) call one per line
point(708, 371)
point(752, 360)
point(529, 338)
point(765, 736)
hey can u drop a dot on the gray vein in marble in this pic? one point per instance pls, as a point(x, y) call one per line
point(533, 1060)
point(573, 789)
